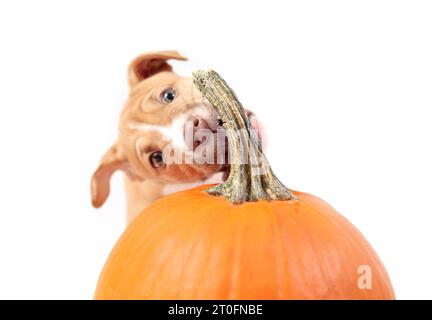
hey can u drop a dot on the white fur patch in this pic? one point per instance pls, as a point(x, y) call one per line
point(174, 132)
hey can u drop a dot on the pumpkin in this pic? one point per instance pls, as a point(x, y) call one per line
point(248, 238)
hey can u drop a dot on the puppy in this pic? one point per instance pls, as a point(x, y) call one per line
point(169, 137)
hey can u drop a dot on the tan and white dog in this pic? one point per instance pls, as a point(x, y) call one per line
point(162, 108)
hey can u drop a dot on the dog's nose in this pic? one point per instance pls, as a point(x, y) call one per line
point(197, 128)
point(200, 123)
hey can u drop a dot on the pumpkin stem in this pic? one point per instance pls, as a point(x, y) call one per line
point(250, 178)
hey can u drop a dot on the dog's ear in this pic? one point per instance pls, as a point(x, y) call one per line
point(149, 64)
point(100, 182)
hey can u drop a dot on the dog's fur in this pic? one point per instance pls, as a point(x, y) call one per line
point(149, 124)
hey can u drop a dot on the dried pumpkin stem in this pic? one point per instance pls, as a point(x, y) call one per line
point(250, 178)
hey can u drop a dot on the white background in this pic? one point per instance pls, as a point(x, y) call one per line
point(343, 88)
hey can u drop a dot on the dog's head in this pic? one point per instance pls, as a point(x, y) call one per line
point(167, 130)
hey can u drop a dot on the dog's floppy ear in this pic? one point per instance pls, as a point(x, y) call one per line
point(100, 183)
point(149, 64)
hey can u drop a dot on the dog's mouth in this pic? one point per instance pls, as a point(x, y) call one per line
point(211, 144)
point(213, 148)
point(205, 133)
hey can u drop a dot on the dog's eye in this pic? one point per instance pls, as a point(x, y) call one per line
point(168, 95)
point(156, 159)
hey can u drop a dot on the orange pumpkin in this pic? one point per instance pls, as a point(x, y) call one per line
point(256, 240)
point(192, 245)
